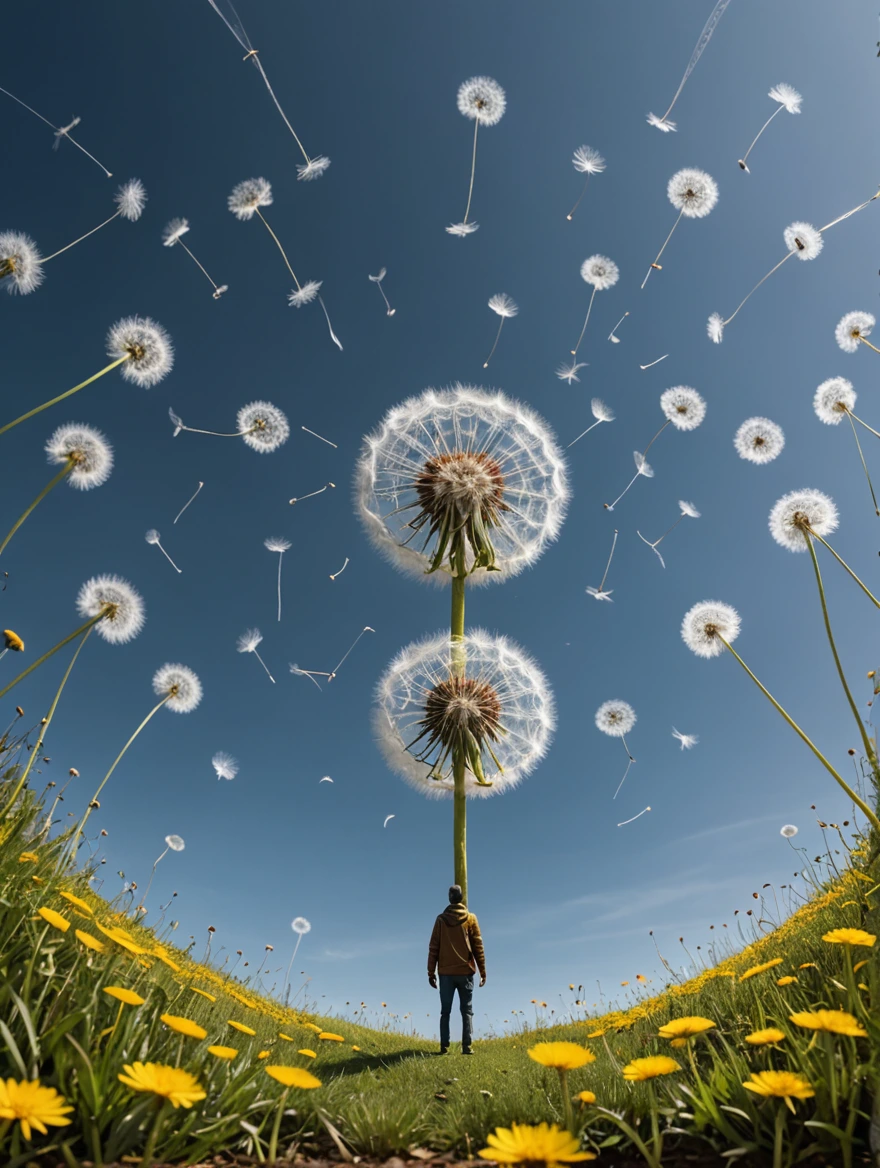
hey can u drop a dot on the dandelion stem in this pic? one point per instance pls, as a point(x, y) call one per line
point(280, 248)
point(263, 663)
point(169, 559)
point(389, 311)
point(62, 396)
point(65, 470)
point(787, 256)
point(82, 629)
point(625, 773)
point(216, 434)
point(663, 248)
point(81, 238)
point(459, 817)
point(259, 66)
point(586, 322)
point(570, 215)
point(656, 436)
point(495, 346)
point(744, 158)
point(473, 171)
point(276, 1128)
point(842, 563)
point(58, 131)
point(608, 565)
point(147, 1158)
point(299, 937)
point(584, 432)
point(280, 561)
point(860, 803)
point(187, 503)
point(566, 1100)
point(870, 346)
point(196, 262)
point(876, 433)
point(150, 881)
point(864, 464)
point(840, 218)
point(333, 337)
point(779, 1124)
point(611, 506)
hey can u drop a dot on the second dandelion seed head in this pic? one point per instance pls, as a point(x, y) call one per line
point(799, 514)
point(86, 450)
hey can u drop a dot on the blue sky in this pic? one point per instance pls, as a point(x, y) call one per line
point(562, 894)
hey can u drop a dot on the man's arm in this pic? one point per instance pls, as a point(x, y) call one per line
point(434, 949)
point(476, 941)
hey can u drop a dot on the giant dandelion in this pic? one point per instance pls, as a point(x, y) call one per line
point(483, 101)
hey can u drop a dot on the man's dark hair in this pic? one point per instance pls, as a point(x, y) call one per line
point(455, 894)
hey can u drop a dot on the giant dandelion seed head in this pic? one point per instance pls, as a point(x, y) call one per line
point(683, 406)
point(249, 640)
point(497, 711)
point(21, 265)
point(483, 99)
point(87, 449)
point(262, 426)
point(586, 160)
point(715, 328)
point(225, 766)
point(461, 482)
point(600, 411)
point(246, 196)
point(173, 230)
point(616, 718)
point(600, 271)
point(797, 514)
point(131, 198)
point(851, 328)
point(833, 399)
point(180, 685)
point(804, 240)
point(122, 606)
point(300, 925)
point(314, 168)
point(503, 304)
point(759, 440)
point(693, 192)
point(147, 346)
point(786, 95)
point(706, 623)
point(276, 544)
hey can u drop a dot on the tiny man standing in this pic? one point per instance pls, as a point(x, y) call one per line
point(456, 952)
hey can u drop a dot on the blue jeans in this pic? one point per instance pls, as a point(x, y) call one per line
point(464, 983)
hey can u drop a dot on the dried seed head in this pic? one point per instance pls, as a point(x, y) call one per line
point(462, 716)
point(461, 496)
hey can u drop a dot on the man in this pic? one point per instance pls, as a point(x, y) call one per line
point(456, 952)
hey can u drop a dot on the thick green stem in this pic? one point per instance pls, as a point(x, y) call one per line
point(276, 1128)
point(777, 1137)
point(82, 629)
point(62, 396)
point(65, 470)
point(566, 1101)
point(656, 1137)
point(459, 815)
point(860, 803)
point(845, 565)
point(147, 1159)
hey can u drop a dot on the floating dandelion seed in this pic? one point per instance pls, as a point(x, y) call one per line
point(687, 740)
point(314, 435)
point(60, 131)
point(130, 200)
point(759, 440)
point(505, 307)
point(634, 818)
point(281, 546)
point(300, 926)
point(312, 168)
point(600, 593)
point(601, 273)
point(377, 280)
point(498, 713)
point(152, 536)
point(611, 337)
point(705, 36)
point(388, 819)
point(187, 503)
point(694, 194)
point(247, 643)
point(651, 364)
point(569, 373)
point(688, 511)
point(225, 766)
point(586, 161)
point(789, 99)
point(262, 426)
point(484, 101)
point(788, 830)
point(173, 843)
point(173, 233)
point(853, 330)
point(341, 570)
point(642, 468)
point(475, 476)
point(833, 401)
point(21, 266)
point(685, 409)
point(601, 413)
point(326, 779)
point(311, 495)
point(617, 718)
point(312, 674)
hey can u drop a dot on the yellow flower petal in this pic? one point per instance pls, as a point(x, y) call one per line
point(87, 908)
point(831, 1021)
point(183, 1026)
point(561, 1056)
point(121, 994)
point(760, 968)
point(764, 1037)
point(686, 1027)
point(51, 917)
point(328, 1037)
point(293, 1077)
point(89, 941)
point(307, 1053)
point(850, 937)
point(780, 1084)
point(640, 1069)
point(241, 1026)
point(179, 1087)
point(204, 993)
point(28, 858)
point(223, 1052)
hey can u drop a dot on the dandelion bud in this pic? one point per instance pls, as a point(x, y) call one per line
point(51, 784)
point(850, 752)
point(211, 929)
point(103, 831)
point(19, 711)
point(74, 773)
point(755, 895)
point(14, 642)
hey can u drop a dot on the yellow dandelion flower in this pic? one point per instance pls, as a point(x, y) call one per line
point(763, 1037)
point(787, 980)
point(87, 908)
point(571, 985)
point(596, 1034)
point(241, 1026)
point(238, 997)
point(183, 1026)
point(293, 1077)
point(119, 937)
point(28, 858)
point(641, 1069)
point(780, 1085)
point(286, 1037)
point(831, 1021)
point(760, 968)
point(312, 1026)
point(686, 1027)
point(33, 1105)
point(51, 917)
point(640, 977)
point(264, 1054)
point(808, 965)
point(850, 937)
point(307, 1053)
point(224, 1052)
point(355, 1048)
point(89, 941)
point(328, 1037)
point(860, 965)
point(521, 1143)
point(204, 993)
point(586, 1096)
point(180, 1088)
point(121, 994)
point(167, 961)
point(38, 880)
point(561, 1056)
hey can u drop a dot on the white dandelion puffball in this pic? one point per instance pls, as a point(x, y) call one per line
point(249, 640)
point(152, 536)
point(131, 198)
point(87, 449)
point(123, 608)
point(225, 766)
point(503, 304)
point(642, 465)
point(715, 328)
point(277, 544)
point(661, 124)
point(759, 440)
point(616, 718)
point(146, 345)
point(461, 452)
point(599, 271)
point(262, 426)
point(462, 229)
point(305, 294)
point(247, 196)
point(693, 192)
point(181, 687)
point(314, 168)
point(173, 230)
point(683, 406)
point(833, 399)
point(788, 830)
point(175, 842)
point(787, 96)
point(21, 265)
point(799, 510)
point(688, 509)
point(502, 707)
point(600, 411)
point(300, 925)
point(851, 327)
point(586, 160)
point(705, 623)
point(804, 240)
point(482, 99)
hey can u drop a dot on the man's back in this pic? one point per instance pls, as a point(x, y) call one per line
point(456, 945)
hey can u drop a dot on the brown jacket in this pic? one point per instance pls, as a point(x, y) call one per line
point(456, 945)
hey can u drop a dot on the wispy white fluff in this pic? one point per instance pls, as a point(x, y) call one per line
point(122, 605)
point(482, 99)
point(147, 346)
point(759, 440)
point(705, 623)
point(88, 450)
point(804, 240)
point(131, 198)
point(798, 510)
point(21, 269)
point(833, 399)
point(182, 687)
point(247, 196)
point(851, 328)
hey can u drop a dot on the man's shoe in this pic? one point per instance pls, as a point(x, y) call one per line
point(468, 1051)
point(443, 1049)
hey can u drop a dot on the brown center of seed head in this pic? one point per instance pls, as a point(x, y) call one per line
point(799, 244)
point(461, 706)
point(759, 441)
point(136, 352)
point(472, 483)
